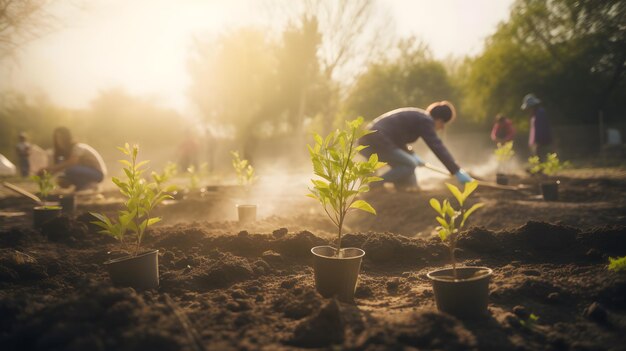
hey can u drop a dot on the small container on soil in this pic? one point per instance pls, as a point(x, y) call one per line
point(337, 275)
point(67, 202)
point(140, 271)
point(43, 214)
point(550, 191)
point(467, 295)
point(502, 179)
point(246, 213)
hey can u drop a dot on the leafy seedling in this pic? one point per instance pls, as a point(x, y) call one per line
point(141, 197)
point(504, 152)
point(530, 322)
point(550, 166)
point(340, 178)
point(196, 174)
point(169, 171)
point(244, 170)
point(451, 221)
point(46, 186)
point(617, 264)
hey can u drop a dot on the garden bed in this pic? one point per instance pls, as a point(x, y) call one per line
point(228, 286)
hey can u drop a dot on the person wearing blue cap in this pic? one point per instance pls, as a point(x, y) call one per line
point(395, 130)
point(540, 134)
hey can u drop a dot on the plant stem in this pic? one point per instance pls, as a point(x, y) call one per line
point(452, 247)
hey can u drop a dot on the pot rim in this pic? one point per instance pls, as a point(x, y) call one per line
point(434, 278)
point(360, 255)
point(48, 207)
point(129, 257)
point(246, 205)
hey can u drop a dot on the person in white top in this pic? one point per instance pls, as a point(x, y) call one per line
point(82, 165)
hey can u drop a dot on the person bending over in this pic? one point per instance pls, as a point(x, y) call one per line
point(396, 129)
point(79, 164)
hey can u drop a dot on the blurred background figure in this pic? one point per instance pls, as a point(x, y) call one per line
point(82, 165)
point(503, 130)
point(540, 135)
point(188, 151)
point(23, 150)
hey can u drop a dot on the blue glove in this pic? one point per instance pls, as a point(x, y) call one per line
point(418, 161)
point(463, 177)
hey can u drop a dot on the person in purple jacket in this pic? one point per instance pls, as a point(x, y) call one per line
point(540, 135)
point(396, 129)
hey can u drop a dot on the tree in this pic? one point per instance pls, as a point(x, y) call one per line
point(233, 80)
point(570, 53)
point(22, 21)
point(412, 78)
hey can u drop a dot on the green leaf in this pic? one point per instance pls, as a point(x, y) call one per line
point(434, 203)
point(469, 188)
point(443, 234)
point(457, 193)
point(364, 206)
point(470, 211)
point(153, 220)
point(443, 222)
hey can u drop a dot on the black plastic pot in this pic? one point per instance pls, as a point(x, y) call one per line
point(550, 191)
point(139, 272)
point(68, 202)
point(43, 214)
point(337, 276)
point(246, 213)
point(465, 297)
point(502, 179)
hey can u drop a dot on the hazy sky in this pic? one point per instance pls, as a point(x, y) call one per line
point(142, 45)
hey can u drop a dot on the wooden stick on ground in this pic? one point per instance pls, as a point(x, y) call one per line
point(480, 182)
point(22, 192)
point(192, 334)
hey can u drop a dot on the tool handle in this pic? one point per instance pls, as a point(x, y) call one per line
point(22, 192)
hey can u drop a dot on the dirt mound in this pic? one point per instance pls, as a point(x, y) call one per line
point(103, 318)
point(546, 236)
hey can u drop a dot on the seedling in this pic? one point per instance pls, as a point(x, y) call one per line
point(141, 197)
point(45, 183)
point(530, 322)
point(170, 170)
point(617, 264)
point(504, 153)
point(195, 174)
point(342, 178)
point(551, 165)
point(448, 217)
point(244, 170)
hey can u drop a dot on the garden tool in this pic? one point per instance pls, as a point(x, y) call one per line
point(480, 182)
point(22, 192)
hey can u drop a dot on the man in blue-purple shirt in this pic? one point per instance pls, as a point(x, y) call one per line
point(398, 128)
point(540, 135)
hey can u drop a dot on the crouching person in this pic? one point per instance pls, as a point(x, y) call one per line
point(396, 129)
point(77, 164)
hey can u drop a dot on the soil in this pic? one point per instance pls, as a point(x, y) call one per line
point(226, 286)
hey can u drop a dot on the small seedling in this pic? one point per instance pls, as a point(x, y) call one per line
point(617, 264)
point(341, 178)
point(169, 171)
point(141, 197)
point(530, 322)
point(244, 170)
point(551, 165)
point(45, 183)
point(196, 174)
point(504, 153)
point(448, 229)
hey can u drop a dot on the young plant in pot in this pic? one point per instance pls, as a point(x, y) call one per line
point(552, 164)
point(47, 210)
point(340, 180)
point(196, 175)
point(169, 171)
point(245, 178)
point(138, 269)
point(461, 291)
point(504, 152)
